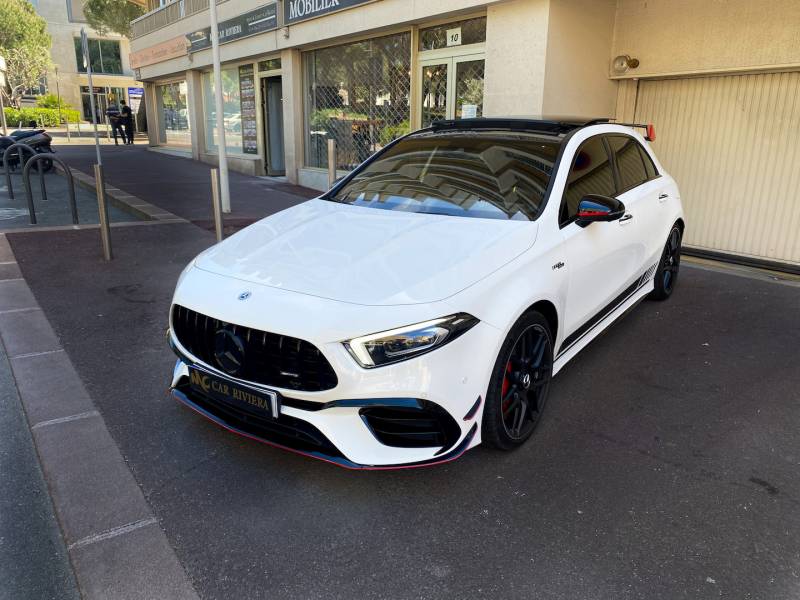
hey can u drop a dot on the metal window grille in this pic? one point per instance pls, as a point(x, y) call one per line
point(359, 95)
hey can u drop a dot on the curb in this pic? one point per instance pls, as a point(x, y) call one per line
point(113, 539)
point(125, 201)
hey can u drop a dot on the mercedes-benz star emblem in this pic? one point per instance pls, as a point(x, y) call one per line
point(228, 351)
point(526, 380)
point(244, 295)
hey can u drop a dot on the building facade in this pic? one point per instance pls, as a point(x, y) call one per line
point(297, 73)
point(112, 74)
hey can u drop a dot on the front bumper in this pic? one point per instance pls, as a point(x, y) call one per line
point(294, 430)
point(344, 425)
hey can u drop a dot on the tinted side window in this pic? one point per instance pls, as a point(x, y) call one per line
point(652, 172)
point(629, 161)
point(591, 173)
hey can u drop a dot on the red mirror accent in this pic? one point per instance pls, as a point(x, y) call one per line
point(651, 133)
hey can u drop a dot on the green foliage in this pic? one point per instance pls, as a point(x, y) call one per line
point(43, 117)
point(112, 15)
point(52, 101)
point(392, 132)
point(25, 44)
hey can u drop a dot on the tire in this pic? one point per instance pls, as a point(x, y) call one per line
point(519, 355)
point(666, 275)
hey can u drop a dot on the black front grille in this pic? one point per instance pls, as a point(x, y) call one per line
point(268, 358)
point(424, 427)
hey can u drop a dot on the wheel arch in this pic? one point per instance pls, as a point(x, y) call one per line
point(548, 310)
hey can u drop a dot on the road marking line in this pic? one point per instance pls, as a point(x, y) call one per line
point(32, 354)
point(8, 262)
point(18, 310)
point(83, 415)
point(111, 533)
point(13, 279)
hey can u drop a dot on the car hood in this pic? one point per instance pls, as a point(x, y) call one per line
point(368, 256)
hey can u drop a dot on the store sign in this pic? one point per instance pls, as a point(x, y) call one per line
point(300, 10)
point(250, 23)
point(135, 95)
point(247, 108)
point(174, 48)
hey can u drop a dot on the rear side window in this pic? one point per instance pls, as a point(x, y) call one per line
point(630, 163)
point(591, 173)
point(649, 166)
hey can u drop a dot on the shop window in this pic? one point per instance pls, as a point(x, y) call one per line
point(231, 100)
point(460, 33)
point(174, 124)
point(271, 64)
point(104, 56)
point(357, 94)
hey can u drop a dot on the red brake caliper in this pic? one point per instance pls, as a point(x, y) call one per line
point(506, 385)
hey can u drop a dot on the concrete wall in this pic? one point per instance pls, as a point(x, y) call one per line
point(516, 50)
point(692, 36)
point(63, 31)
point(579, 40)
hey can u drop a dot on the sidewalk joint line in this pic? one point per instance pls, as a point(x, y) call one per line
point(33, 354)
point(69, 419)
point(111, 533)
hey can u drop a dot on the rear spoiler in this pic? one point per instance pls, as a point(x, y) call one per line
point(650, 131)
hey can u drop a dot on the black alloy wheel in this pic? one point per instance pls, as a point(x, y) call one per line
point(519, 387)
point(667, 273)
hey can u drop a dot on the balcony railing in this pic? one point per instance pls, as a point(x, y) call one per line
point(167, 15)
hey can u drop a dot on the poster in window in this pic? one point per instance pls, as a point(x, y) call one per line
point(247, 91)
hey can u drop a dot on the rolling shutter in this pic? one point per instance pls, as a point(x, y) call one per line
point(733, 145)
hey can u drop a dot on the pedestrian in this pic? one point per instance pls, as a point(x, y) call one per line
point(127, 121)
point(115, 118)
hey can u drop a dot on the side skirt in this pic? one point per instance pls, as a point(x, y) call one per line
point(567, 354)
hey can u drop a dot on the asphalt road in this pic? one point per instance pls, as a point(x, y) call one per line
point(666, 465)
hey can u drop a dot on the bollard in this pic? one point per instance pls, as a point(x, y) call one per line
point(102, 210)
point(331, 163)
point(68, 138)
point(216, 207)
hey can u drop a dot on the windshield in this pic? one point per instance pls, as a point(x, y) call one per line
point(483, 174)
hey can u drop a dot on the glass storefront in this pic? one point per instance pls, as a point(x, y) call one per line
point(174, 122)
point(232, 109)
point(358, 94)
point(103, 98)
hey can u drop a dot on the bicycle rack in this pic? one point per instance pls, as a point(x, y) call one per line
point(26, 178)
point(20, 155)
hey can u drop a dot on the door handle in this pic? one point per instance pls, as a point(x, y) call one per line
point(663, 197)
point(625, 218)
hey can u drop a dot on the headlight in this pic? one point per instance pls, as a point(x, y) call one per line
point(392, 346)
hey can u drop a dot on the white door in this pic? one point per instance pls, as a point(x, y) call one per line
point(599, 256)
point(731, 143)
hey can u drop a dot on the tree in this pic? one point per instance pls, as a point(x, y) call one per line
point(25, 44)
point(112, 15)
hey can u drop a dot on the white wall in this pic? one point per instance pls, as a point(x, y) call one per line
point(579, 39)
point(697, 36)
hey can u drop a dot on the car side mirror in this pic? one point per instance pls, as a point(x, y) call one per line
point(596, 207)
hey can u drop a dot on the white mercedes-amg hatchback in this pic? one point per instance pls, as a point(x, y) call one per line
point(424, 304)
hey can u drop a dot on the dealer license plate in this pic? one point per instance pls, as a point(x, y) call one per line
point(262, 402)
